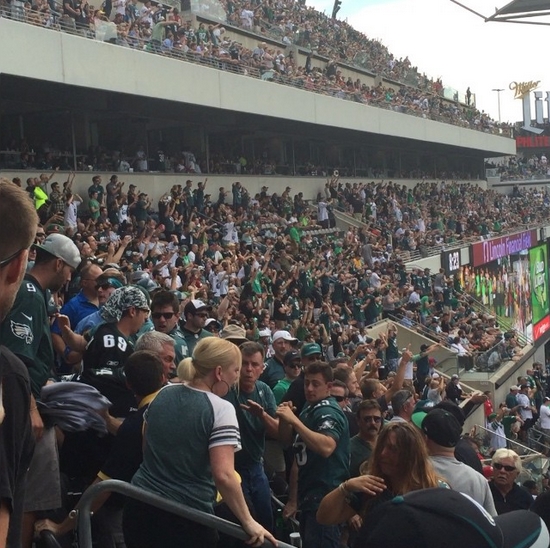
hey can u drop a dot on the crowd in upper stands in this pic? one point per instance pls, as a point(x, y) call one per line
point(161, 29)
point(522, 167)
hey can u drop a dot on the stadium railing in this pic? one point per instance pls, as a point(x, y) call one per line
point(83, 512)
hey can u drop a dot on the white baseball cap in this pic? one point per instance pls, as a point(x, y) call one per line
point(283, 335)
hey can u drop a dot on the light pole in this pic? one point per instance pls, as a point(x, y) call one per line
point(498, 90)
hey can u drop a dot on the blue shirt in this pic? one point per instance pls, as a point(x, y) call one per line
point(76, 309)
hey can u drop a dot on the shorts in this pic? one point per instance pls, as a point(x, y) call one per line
point(43, 489)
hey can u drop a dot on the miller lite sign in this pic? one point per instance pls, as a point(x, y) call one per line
point(522, 90)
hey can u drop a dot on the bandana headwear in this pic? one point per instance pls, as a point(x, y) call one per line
point(123, 299)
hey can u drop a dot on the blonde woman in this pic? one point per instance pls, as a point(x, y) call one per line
point(190, 438)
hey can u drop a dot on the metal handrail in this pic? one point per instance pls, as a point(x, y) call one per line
point(480, 308)
point(84, 506)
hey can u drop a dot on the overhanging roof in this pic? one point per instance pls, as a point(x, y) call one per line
point(527, 12)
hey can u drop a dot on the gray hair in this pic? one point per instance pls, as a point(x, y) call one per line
point(503, 453)
point(153, 341)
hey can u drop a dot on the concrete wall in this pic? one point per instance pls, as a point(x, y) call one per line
point(77, 61)
point(155, 184)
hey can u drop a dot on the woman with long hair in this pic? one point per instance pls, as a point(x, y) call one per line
point(399, 464)
point(190, 438)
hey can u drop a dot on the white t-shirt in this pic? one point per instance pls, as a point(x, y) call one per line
point(322, 212)
point(71, 213)
point(525, 406)
point(544, 413)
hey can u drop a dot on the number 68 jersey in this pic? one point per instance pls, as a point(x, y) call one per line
point(103, 367)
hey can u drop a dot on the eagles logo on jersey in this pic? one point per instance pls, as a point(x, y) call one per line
point(22, 331)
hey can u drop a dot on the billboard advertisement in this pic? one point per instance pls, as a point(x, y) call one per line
point(538, 267)
point(504, 287)
point(499, 248)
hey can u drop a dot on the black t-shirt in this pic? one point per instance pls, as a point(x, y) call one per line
point(103, 368)
point(16, 438)
point(126, 453)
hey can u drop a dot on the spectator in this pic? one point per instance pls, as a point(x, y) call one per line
point(25, 331)
point(166, 466)
point(322, 458)
point(18, 220)
point(507, 494)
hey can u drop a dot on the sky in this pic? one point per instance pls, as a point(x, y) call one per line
point(444, 40)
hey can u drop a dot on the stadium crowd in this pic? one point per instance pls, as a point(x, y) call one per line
point(135, 291)
point(160, 29)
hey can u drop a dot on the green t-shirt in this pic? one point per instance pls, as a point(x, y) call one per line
point(193, 338)
point(252, 428)
point(93, 207)
point(280, 389)
point(318, 475)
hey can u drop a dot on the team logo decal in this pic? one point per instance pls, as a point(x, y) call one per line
point(22, 331)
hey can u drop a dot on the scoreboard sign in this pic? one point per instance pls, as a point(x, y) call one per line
point(450, 261)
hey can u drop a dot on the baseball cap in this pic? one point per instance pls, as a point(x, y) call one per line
point(122, 299)
point(514, 387)
point(290, 356)
point(179, 295)
point(234, 333)
point(211, 324)
point(399, 399)
point(441, 427)
point(423, 516)
point(194, 305)
point(310, 349)
point(63, 248)
point(285, 335)
point(455, 376)
point(113, 282)
point(264, 333)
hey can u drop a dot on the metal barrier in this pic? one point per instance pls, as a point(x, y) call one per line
point(83, 510)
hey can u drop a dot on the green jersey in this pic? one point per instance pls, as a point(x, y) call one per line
point(26, 332)
point(180, 344)
point(317, 475)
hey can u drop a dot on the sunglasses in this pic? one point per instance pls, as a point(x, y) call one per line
point(294, 365)
point(103, 286)
point(9, 259)
point(339, 399)
point(377, 420)
point(498, 466)
point(165, 315)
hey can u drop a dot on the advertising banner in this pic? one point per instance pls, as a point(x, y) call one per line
point(538, 267)
point(498, 248)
